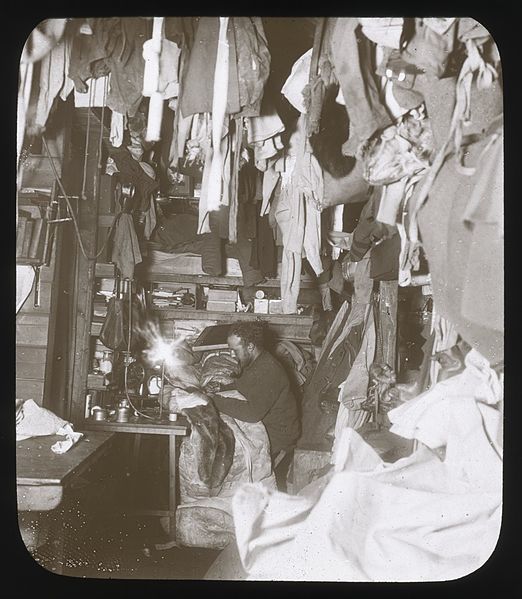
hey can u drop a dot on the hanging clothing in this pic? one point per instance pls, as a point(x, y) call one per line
point(429, 50)
point(88, 54)
point(131, 171)
point(264, 251)
point(115, 47)
point(444, 336)
point(168, 84)
point(213, 248)
point(311, 185)
point(117, 129)
point(338, 352)
point(350, 55)
point(127, 65)
point(53, 80)
point(290, 217)
point(466, 263)
point(263, 134)
point(384, 259)
point(369, 231)
point(214, 187)
point(95, 95)
point(353, 391)
point(197, 85)
point(297, 216)
point(297, 80)
point(125, 246)
point(253, 62)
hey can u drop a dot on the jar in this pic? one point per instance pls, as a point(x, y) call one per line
point(106, 362)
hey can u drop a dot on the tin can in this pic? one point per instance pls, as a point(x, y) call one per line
point(123, 415)
point(99, 414)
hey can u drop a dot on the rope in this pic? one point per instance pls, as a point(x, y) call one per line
point(86, 152)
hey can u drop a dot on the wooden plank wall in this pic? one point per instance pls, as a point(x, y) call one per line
point(35, 326)
point(32, 336)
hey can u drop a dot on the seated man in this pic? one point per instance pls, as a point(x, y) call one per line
point(265, 385)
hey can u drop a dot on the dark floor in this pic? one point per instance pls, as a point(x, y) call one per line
point(101, 537)
point(124, 548)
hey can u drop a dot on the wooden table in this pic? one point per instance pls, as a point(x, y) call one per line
point(42, 477)
point(138, 426)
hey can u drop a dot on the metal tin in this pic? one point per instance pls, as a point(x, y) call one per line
point(99, 414)
point(123, 415)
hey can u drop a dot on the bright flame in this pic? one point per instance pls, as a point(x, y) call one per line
point(160, 351)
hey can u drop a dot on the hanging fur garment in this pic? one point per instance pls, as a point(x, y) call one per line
point(334, 128)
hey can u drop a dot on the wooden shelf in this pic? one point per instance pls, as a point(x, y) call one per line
point(194, 314)
point(30, 261)
point(107, 271)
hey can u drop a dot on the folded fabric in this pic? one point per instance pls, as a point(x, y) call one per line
point(35, 421)
point(71, 437)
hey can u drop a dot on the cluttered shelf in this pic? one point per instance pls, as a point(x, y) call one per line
point(104, 270)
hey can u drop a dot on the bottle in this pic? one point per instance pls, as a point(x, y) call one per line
point(106, 362)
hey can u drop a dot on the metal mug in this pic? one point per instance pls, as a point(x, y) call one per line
point(99, 414)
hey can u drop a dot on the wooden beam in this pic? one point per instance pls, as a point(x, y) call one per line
point(87, 212)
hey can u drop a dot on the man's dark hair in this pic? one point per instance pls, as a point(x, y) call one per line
point(249, 332)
